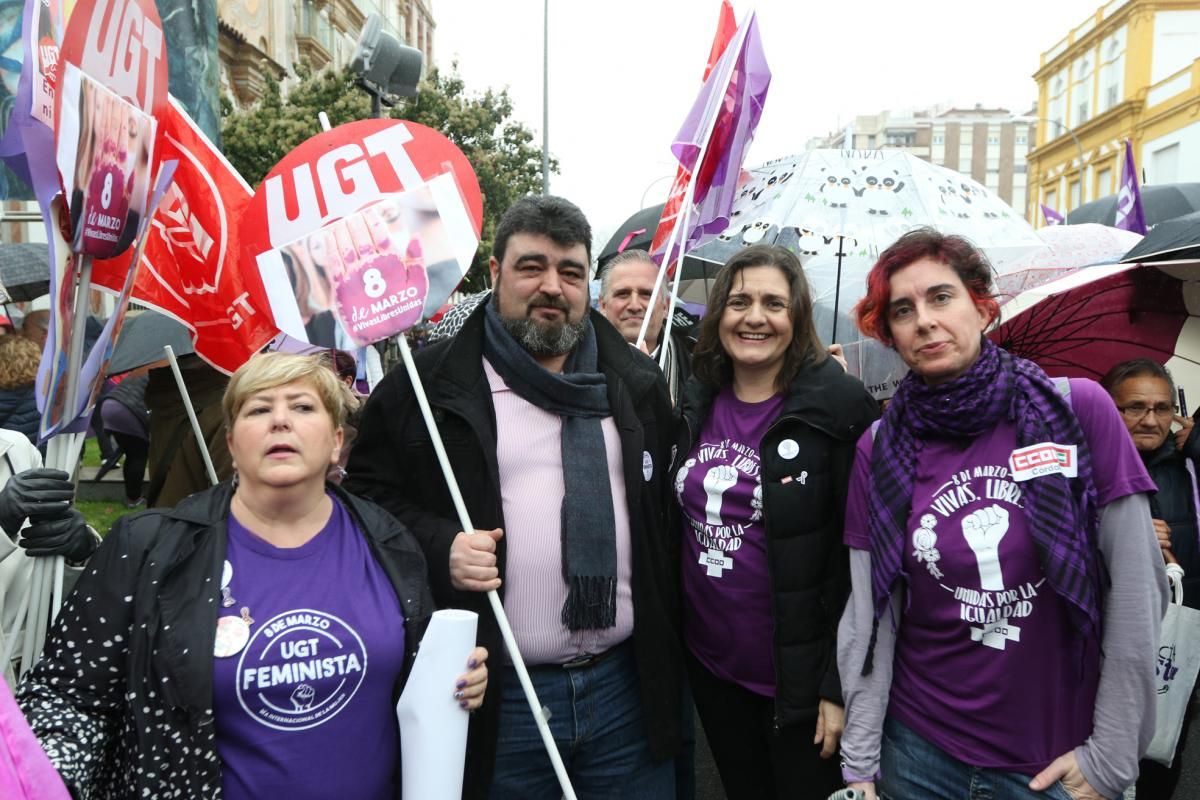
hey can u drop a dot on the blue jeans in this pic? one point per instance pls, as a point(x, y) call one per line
point(913, 769)
point(596, 721)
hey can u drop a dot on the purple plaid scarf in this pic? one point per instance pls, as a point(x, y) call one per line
point(1063, 518)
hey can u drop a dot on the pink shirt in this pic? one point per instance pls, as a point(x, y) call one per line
point(529, 455)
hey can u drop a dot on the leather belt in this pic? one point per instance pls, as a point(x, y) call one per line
point(587, 660)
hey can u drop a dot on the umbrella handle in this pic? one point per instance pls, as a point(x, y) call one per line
point(629, 238)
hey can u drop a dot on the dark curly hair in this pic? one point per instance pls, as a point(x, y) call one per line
point(553, 217)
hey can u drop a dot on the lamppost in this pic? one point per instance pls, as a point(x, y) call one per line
point(651, 184)
point(1078, 146)
point(546, 97)
point(1062, 127)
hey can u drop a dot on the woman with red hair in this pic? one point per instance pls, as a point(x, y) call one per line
point(1000, 542)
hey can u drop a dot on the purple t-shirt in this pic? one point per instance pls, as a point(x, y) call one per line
point(986, 666)
point(305, 709)
point(727, 619)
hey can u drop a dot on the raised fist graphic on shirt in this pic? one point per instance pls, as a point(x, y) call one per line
point(983, 530)
point(302, 697)
point(716, 482)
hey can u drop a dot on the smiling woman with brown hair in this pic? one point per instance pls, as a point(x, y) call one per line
point(252, 636)
point(764, 454)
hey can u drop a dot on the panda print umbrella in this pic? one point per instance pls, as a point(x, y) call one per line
point(838, 209)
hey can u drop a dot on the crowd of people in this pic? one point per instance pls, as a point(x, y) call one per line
point(958, 597)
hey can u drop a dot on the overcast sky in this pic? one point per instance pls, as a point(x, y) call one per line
point(623, 73)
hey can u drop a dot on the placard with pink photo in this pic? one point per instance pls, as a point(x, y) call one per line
point(376, 272)
point(104, 153)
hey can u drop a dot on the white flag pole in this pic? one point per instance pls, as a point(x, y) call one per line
point(59, 455)
point(728, 59)
point(665, 335)
point(191, 413)
point(540, 715)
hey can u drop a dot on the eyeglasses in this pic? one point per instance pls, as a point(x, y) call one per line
point(1138, 411)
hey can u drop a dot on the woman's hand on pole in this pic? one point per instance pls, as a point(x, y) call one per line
point(471, 685)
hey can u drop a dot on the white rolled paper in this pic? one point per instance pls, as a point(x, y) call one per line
point(433, 728)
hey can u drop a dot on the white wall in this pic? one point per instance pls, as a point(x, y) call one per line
point(1176, 42)
point(1186, 162)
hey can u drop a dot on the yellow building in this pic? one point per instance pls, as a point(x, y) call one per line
point(1130, 71)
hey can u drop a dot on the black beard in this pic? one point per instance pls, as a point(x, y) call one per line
point(542, 340)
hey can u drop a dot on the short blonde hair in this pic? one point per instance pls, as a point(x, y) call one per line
point(19, 359)
point(270, 370)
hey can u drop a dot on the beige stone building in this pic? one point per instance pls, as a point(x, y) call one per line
point(261, 37)
point(989, 144)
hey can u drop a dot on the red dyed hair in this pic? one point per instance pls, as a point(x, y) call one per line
point(967, 261)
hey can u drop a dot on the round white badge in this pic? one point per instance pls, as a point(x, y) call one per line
point(232, 635)
point(789, 449)
point(226, 574)
point(647, 465)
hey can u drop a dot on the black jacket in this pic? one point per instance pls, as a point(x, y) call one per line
point(122, 698)
point(824, 413)
point(131, 393)
point(1175, 504)
point(393, 463)
point(18, 411)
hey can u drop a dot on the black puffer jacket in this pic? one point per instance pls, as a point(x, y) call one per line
point(131, 393)
point(824, 413)
point(1175, 504)
point(122, 698)
point(18, 411)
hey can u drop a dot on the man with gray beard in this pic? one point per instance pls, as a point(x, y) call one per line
point(559, 434)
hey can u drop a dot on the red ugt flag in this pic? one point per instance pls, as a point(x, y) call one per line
point(190, 267)
point(717, 132)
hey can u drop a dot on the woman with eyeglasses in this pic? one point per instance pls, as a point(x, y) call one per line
point(1007, 591)
point(1145, 395)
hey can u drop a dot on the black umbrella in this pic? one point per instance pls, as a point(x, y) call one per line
point(1174, 240)
point(25, 270)
point(635, 233)
point(1161, 202)
point(141, 341)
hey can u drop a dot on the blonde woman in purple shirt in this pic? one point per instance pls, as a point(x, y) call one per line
point(252, 641)
point(763, 460)
point(999, 640)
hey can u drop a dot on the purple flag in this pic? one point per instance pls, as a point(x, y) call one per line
point(725, 114)
point(1130, 216)
point(1051, 216)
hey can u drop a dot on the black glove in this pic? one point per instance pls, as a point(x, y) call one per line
point(67, 535)
point(39, 493)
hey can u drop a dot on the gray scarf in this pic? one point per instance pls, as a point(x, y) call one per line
point(580, 396)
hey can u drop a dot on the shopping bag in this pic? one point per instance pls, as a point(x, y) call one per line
point(1175, 670)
